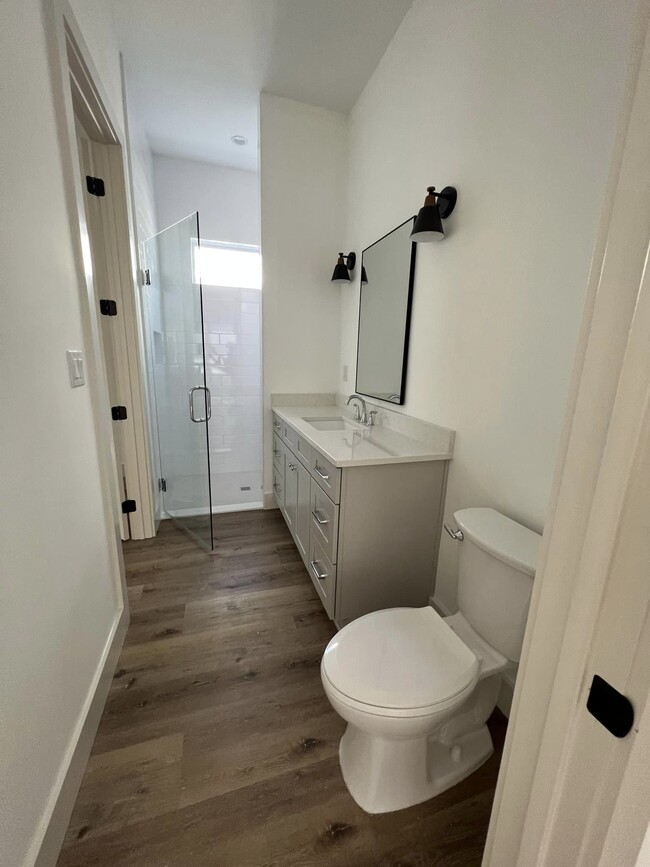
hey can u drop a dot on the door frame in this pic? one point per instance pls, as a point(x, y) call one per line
point(79, 92)
point(581, 530)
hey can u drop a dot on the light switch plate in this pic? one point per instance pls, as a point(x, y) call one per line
point(76, 367)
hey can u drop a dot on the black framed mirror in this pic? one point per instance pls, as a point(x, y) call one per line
point(387, 275)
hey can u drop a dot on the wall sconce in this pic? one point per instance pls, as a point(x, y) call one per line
point(343, 267)
point(364, 276)
point(428, 223)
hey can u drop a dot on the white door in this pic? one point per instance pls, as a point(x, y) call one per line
point(595, 762)
point(112, 263)
point(303, 513)
point(571, 793)
point(290, 489)
point(94, 159)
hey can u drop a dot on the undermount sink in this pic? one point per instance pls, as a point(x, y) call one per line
point(330, 423)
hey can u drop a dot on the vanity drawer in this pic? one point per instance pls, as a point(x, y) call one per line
point(326, 474)
point(303, 449)
point(277, 424)
point(322, 573)
point(277, 452)
point(278, 486)
point(289, 435)
point(324, 520)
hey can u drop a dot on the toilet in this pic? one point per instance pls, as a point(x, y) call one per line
point(417, 689)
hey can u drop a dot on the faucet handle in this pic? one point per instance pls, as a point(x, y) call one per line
point(370, 417)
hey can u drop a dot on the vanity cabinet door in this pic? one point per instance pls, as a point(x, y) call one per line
point(291, 464)
point(303, 510)
point(278, 454)
point(278, 483)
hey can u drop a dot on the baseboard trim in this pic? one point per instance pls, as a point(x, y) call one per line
point(270, 502)
point(59, 817)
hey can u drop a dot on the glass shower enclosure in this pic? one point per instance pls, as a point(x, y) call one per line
point(182, 397)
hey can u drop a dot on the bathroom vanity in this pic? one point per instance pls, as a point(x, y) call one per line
point(364, 506)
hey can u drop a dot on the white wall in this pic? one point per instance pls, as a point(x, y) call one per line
point(516, 105)
point(227, 199)
point(59, 598)
point(142, 170)
point(303, 153)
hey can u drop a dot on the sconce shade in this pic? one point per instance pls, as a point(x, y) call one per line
point(428, 223)
point(342, 269)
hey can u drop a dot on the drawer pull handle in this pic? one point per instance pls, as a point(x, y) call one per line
point(276, 488)
point(314, 569)
point(276, 452)
point(318, 518)
point(292, 467)
point(277, 425)
point(321, 473)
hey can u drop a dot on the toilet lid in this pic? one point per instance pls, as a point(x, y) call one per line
point(399, 658)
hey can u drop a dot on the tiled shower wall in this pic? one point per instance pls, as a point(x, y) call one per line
point(231, 324)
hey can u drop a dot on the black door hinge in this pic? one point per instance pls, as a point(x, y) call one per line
point(95, 186)
point(128, 506)
point(146, 277)
point(118, 413)
point(162, 484)
point(612, 709)
point(107, 307)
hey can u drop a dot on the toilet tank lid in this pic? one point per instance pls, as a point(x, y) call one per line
point(500, 536)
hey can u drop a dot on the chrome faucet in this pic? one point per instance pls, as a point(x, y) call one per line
point(362, 415)
point(365, 417)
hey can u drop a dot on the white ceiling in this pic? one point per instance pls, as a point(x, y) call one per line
point(196, 68)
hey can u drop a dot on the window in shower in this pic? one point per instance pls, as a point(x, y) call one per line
point(231, 276)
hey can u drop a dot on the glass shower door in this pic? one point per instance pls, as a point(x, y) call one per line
point(183, 404)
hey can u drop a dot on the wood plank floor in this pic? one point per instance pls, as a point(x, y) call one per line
point(217, 745)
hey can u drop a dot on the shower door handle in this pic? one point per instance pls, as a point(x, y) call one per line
point(208, 403)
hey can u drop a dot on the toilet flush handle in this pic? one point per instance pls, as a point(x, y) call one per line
point(455, 534)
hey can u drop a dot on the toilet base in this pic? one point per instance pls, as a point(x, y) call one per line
point(385, 774)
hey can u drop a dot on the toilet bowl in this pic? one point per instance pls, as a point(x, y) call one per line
point(417, 689)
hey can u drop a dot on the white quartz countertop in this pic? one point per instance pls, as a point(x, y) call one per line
point(359, 445)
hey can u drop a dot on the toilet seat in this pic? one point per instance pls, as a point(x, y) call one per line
point(400, 662)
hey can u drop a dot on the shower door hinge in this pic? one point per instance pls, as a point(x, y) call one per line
point(118, 413)
point(95, 186)
point(162, 485)
point(128, 506)
point(146, 277)
point(107, 307)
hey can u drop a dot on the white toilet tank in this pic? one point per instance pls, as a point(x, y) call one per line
point(497, 563)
